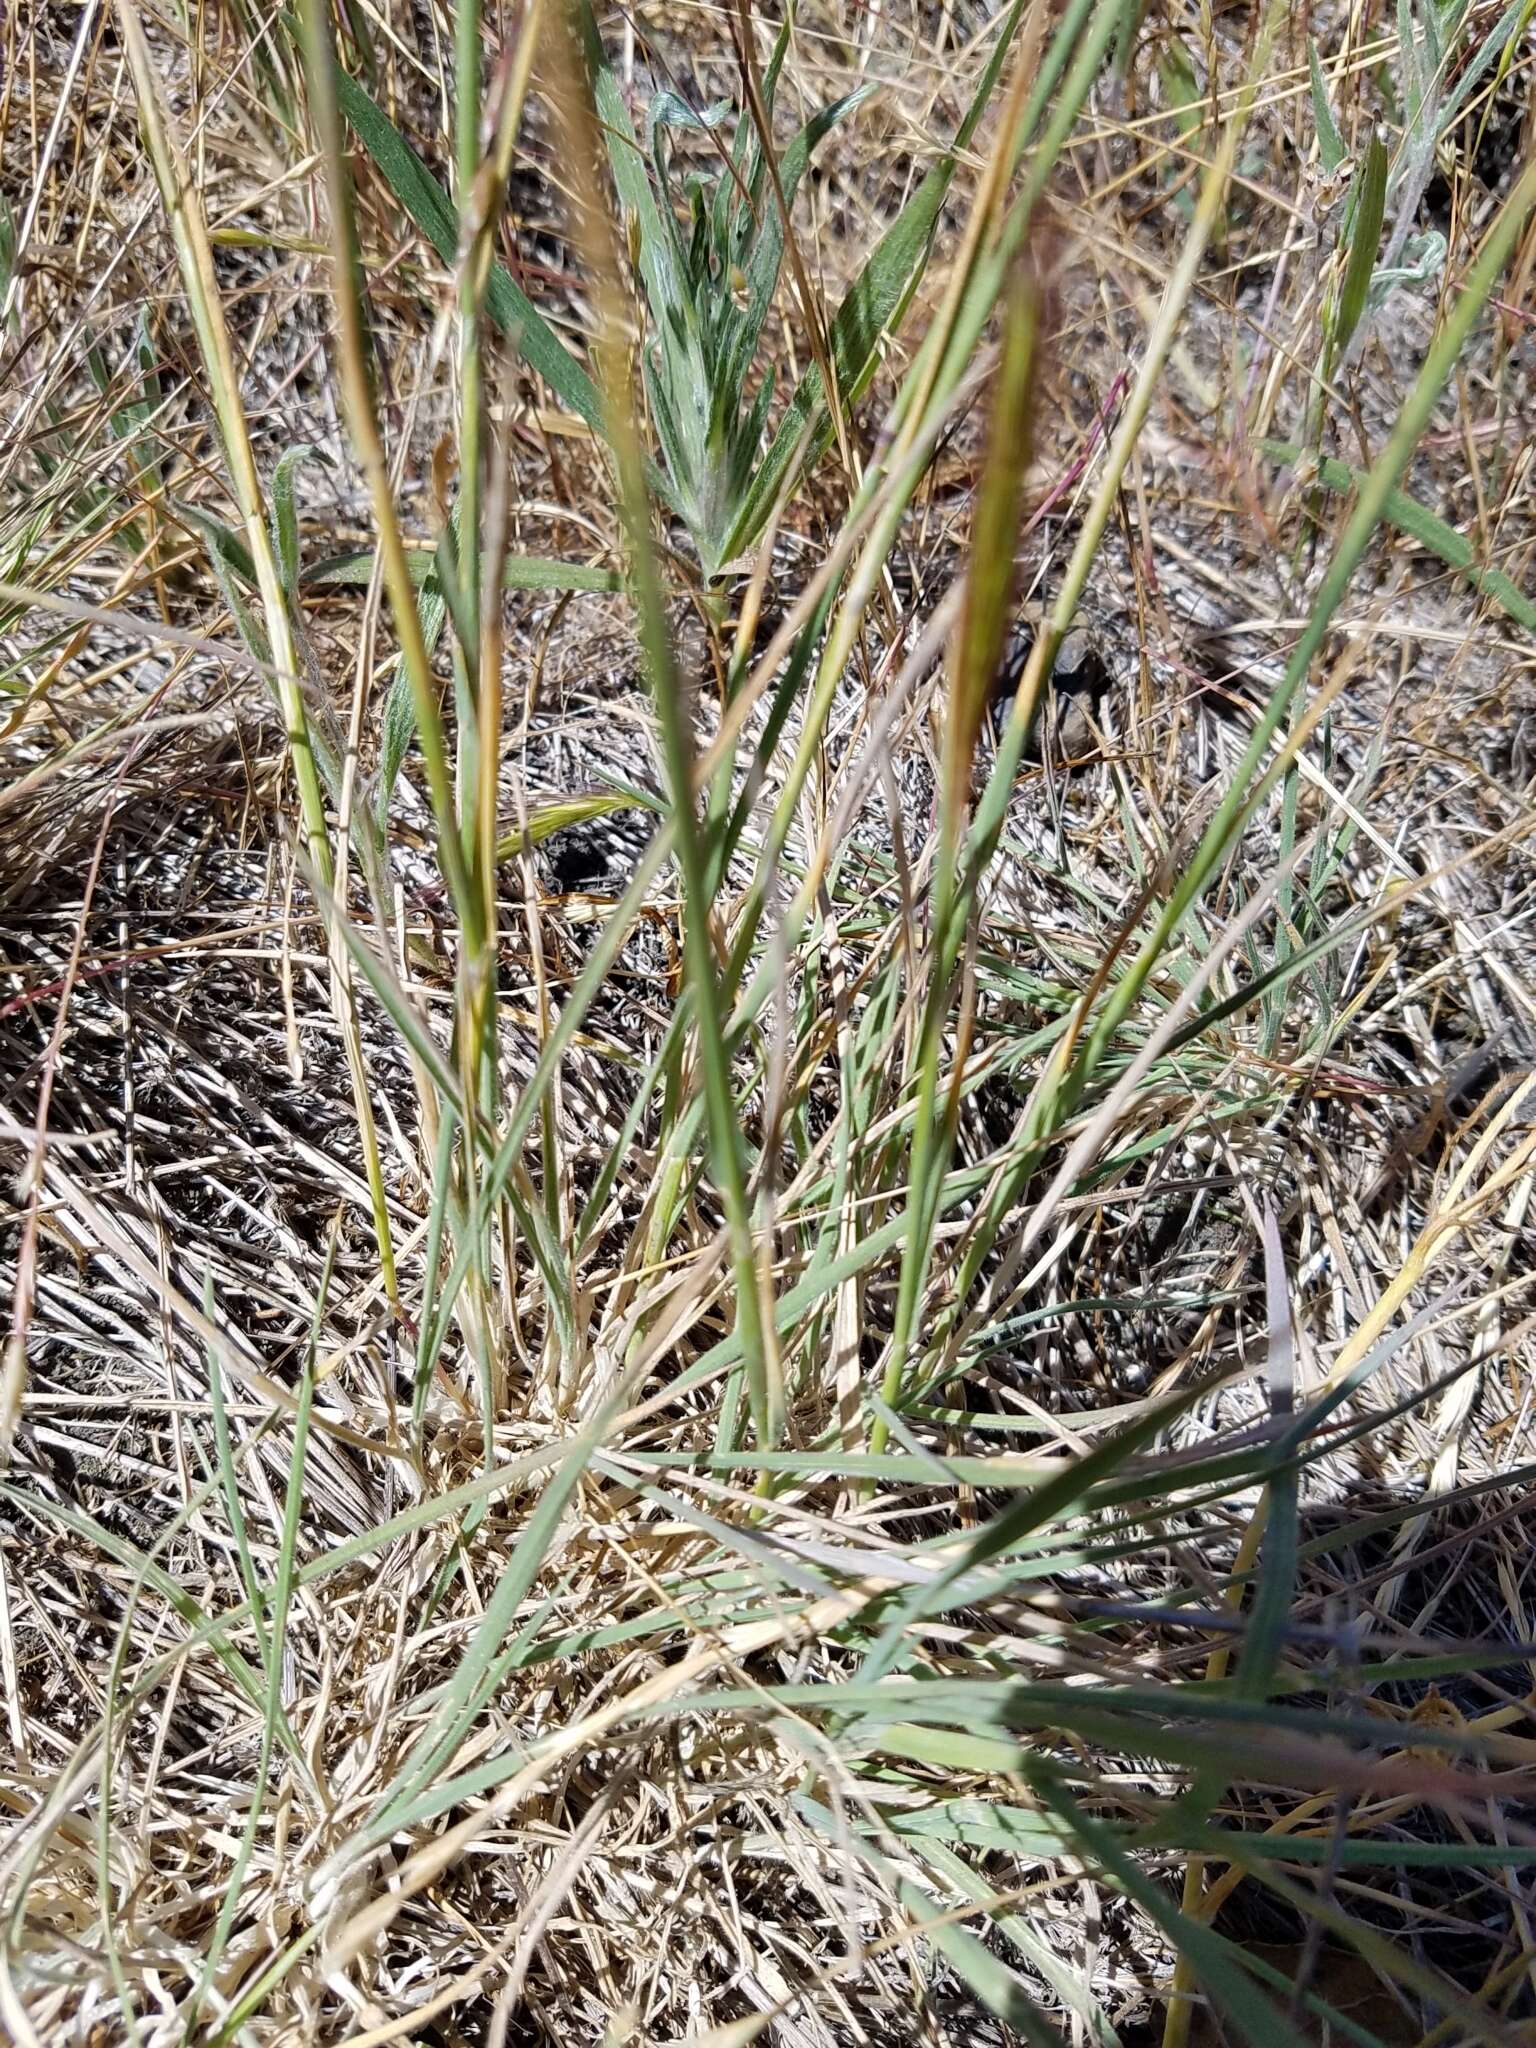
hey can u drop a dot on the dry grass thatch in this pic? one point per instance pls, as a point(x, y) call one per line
point(410, 1627)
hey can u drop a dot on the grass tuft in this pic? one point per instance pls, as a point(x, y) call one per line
point(765, 1055)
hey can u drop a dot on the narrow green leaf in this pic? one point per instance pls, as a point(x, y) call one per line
point(432, 211)
point(954, 1751)
point(1364, 241)
point(1421, 525)
point(7, 253)
point(232, 567)
point(545, 820)
point(1276, 1586)
point(464, 1695)
point(870, 308)
point(993, 1983)
point(983, 1824)
point(521, 572)
point(988, 1824)
point(285, 518)
point(233, 1508)
point(1217, 1962)
point(660, 270)
point(1181, 88)
point(1000, 1989)
point(1499, 42)
point(225, 547)
point(399, 727)
point(1330, 144)
point(1065, 1980)
point(767, 256)
point(274, 1720)
point(1053, 1500)
point(670, 110)
point(1410, 66)
point(142, 1567)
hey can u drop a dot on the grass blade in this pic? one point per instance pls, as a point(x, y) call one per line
point(1416, 520)
point(519, 572)
point(432, 211)
point(1364, 242)
point(1330, 144)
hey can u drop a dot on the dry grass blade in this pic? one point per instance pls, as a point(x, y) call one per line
point(201, 285)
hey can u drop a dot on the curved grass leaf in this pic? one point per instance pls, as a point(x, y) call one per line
point(1421, 525)
point(545, 820)
point(430, 208)
point(873, 304)
point(999, 1989)
point(1329, 141)
point(1219, 1963)
point(520, 572)
point(285, 518)
point(708, 288)
point(1364, 241)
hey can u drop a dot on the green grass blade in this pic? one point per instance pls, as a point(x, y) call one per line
point(281, 1599)
point(520, 572)
point(1498, 42)
point(285, 518)
point(545, 820)
point(1416, 520)
point(1374, 491)
point(869, 309)
point(1330, 143)
point(1364, 242)
point(432, 211)
point(1216, 1961)
point(1277, 1565)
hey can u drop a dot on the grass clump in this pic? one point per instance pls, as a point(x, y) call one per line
point(765, 1050)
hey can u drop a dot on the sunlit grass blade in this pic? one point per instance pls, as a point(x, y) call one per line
point(545, 820)
point(1218, 1962)
point(728, 1153)
point(200, 283)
